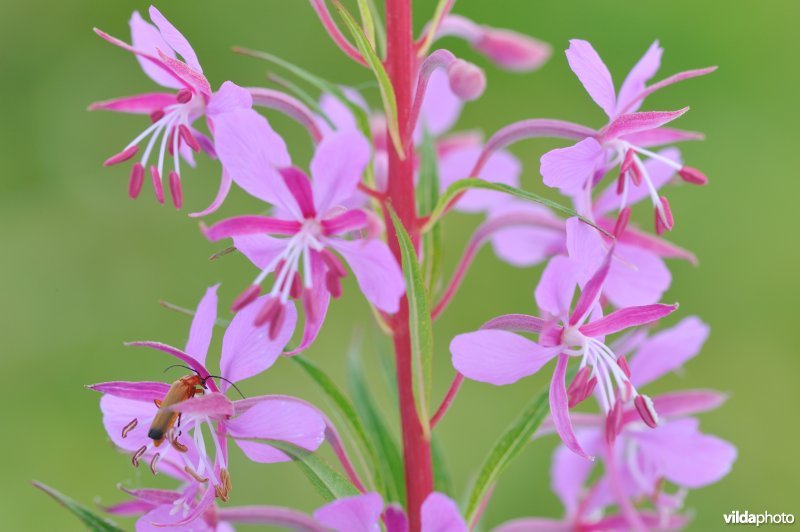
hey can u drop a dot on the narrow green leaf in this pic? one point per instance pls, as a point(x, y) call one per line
point(384, 83)
point(366, 22)
point(419, 320)
point(346, 410)
point(92, 521)
point(384, 442)
point(433, 25)
point(330, 483)
point(472, 182)
point(362, 118)
point(380, 30)
point(507, 447)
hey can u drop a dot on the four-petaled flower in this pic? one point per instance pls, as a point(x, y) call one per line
point(315, 224)
point(157, 47)
point(498, 355)
point(625, 139)
point(140, 418)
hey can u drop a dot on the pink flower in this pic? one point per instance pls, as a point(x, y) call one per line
point(498, 355)
point(302, 255)
point(362, 513)
point(624, 140)
point(639, 459)
point(157, 47)
point(130, 408)
point(156, 507)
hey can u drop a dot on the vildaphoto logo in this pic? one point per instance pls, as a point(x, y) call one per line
point(764, 518)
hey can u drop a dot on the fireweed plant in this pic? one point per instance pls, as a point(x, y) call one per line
point(370, 203)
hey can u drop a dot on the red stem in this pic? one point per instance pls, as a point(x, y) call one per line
point(401, 65)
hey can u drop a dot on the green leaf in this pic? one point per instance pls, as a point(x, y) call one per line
point(432, 242)
point(388, 450)
point(330, 483)
point(366, 21)
point(419, 322)
point(345, 408)
point(472, 182)
point(384, 83)
point(90, 519)
point(380, 30)
point(433, 25)
point(361, 115)
point(513, 440)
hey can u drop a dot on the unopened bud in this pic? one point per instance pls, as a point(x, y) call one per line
point(512, 50)
point(467, 81)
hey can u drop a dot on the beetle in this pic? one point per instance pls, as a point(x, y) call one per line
point(180, 390)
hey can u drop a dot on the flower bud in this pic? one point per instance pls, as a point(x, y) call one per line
point(467, 81)
point(512, 50)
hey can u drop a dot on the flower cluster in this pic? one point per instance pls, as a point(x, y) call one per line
point(370, 202)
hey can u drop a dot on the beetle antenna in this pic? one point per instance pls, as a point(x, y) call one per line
point(229, 382)
point(179, 366)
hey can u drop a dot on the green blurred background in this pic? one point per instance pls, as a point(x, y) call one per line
point(84, 267)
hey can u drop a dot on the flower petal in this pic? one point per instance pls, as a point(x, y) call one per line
point(590, 292)
point(230, 97)
point(557, 286)
point(138, 104)
point(175, 39)
point(165, 513)
point(137, 391)
point(516, 323)
point(637, 277)
point(350, 220)
point(337, 166)
point(627, 317)
point(361, 513)
point(117, 415)
point(251, 152)
point(250, 225)
point(668, 350)
point(569, 169)
point(637, 79)
point(498, 357)
point(439, 513)
point(259, 249)
point(661, 136)
point(687, 402)
point(569, 472)
point(377, 272)
point(686, 456)
point(530, 233)
point(147, 39)
point(593, 74)
point(277, 419)
point(637, 122)
point(559, 408)
point(203, 325)
point(247, 350)
point(214, 405)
